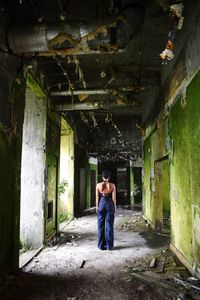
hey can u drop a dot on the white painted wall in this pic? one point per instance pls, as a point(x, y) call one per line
point(33, 171)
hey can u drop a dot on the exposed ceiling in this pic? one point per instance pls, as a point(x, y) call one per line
point(108, 89)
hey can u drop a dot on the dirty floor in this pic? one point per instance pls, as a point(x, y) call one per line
point(140, 266)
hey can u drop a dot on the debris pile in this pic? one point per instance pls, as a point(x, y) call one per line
point(63, 238)
point(165, 272)
point(135, 223)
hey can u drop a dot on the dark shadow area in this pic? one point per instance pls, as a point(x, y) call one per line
point(153, 240)
point(23, 286)
point(136, 207)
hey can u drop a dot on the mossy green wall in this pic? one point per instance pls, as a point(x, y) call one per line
point(180, 131)
point(185, 169)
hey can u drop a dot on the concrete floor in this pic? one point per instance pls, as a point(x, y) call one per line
point(75, 268)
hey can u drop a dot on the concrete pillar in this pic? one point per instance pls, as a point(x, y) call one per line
point(33, 171)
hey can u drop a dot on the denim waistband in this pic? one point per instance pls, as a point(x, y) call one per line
point(106, 198)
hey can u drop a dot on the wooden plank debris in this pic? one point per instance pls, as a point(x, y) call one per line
point(153, 281)
point(82, 264)
point(187, 285)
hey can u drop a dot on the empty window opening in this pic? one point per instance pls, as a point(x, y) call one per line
point(50, 210)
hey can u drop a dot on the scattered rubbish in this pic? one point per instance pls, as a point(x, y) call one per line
point(155, 281)
point(162, 234)
point(103, 74)
point(160, 265)
point(153, 263)
point(193, 279)
point(187, 285)
point(82, 264)
point(74, 243)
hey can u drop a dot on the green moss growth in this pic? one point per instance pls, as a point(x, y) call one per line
point(34, 86)
point(185, 169)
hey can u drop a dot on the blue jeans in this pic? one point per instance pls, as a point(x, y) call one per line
point(105, 219)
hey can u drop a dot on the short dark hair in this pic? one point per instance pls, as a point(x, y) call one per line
point(106, 174)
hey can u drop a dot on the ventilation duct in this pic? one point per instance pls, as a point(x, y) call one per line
point(63, 38)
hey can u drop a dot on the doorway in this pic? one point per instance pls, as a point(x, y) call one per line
point(162, 194)
point(82, 189)
point(93, 187)
point(122, 186)
point(66, 181)
point(51, 190)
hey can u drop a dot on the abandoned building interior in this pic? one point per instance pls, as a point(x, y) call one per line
point(93, 85)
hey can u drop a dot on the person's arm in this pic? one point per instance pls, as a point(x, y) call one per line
point(114, 196)
point(97, 197)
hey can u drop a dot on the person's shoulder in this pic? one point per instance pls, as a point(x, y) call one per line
point(99, 184)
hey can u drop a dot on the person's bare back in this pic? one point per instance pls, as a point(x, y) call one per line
point(105, 188)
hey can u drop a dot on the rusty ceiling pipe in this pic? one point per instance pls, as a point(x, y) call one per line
point(66, 39)
point(88, 106)
point(92, 91)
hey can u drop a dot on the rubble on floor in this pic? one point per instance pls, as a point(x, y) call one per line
point(141, 266)
point(132, 223)
point(165, 274)
point(62, 238)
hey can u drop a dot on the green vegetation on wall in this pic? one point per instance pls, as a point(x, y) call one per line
point(34, 86)
point(185, 169)
point(172, 164)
